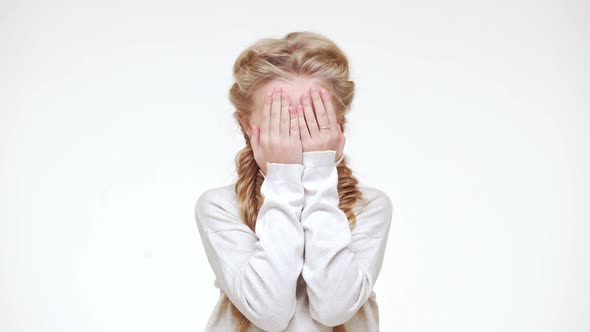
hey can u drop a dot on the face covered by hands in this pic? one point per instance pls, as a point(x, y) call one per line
point(313, 115)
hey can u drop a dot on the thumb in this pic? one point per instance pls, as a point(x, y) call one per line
point(254, 138)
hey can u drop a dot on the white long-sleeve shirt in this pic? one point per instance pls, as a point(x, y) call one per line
point(303, 268)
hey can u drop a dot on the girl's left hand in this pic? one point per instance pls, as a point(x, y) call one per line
point(312, 137)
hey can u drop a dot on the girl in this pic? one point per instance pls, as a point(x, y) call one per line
point(296, 243)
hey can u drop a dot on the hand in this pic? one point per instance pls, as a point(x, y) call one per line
point(278, 139)
point(312, 137)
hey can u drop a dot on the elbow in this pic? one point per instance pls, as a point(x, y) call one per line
point(271, 311)
point(275, 318)
point(340, 307)
point(268, 301)
point(277, 324)
point(330, 314)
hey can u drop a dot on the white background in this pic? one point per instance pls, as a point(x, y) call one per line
point(473, 116)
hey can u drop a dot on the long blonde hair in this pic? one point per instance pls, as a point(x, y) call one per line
point(297, 53)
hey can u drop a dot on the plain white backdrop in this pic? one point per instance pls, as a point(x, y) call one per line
point(474, 116)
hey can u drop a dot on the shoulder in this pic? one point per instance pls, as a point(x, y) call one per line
point(216, 197)
point(377, 200)
point(216, 209)
point(374, 213)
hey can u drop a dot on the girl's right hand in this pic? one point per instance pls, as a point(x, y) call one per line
point(277, 140)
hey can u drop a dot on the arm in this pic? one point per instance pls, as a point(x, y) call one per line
point(340, 268)
point(258, 271)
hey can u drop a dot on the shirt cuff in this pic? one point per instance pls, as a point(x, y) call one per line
point(323, 158)
point(279, 171)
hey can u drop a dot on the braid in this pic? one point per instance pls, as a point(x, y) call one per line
point(348, 191)
point(248, 185)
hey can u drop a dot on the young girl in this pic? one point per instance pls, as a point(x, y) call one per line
point(296, 243)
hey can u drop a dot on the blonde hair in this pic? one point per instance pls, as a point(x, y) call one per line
point(300, 53)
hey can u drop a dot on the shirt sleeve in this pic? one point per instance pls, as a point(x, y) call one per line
point(340, 267)
point(258, 271)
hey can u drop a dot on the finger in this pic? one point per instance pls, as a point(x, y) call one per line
point(330, 111)
point(312, 125)
point(294, 130)
point(303, 130)
point(285, 117)
point(264, 126)
point(320, 111)
point(275, 113)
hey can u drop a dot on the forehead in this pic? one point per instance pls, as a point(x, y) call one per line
point(294, 88)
